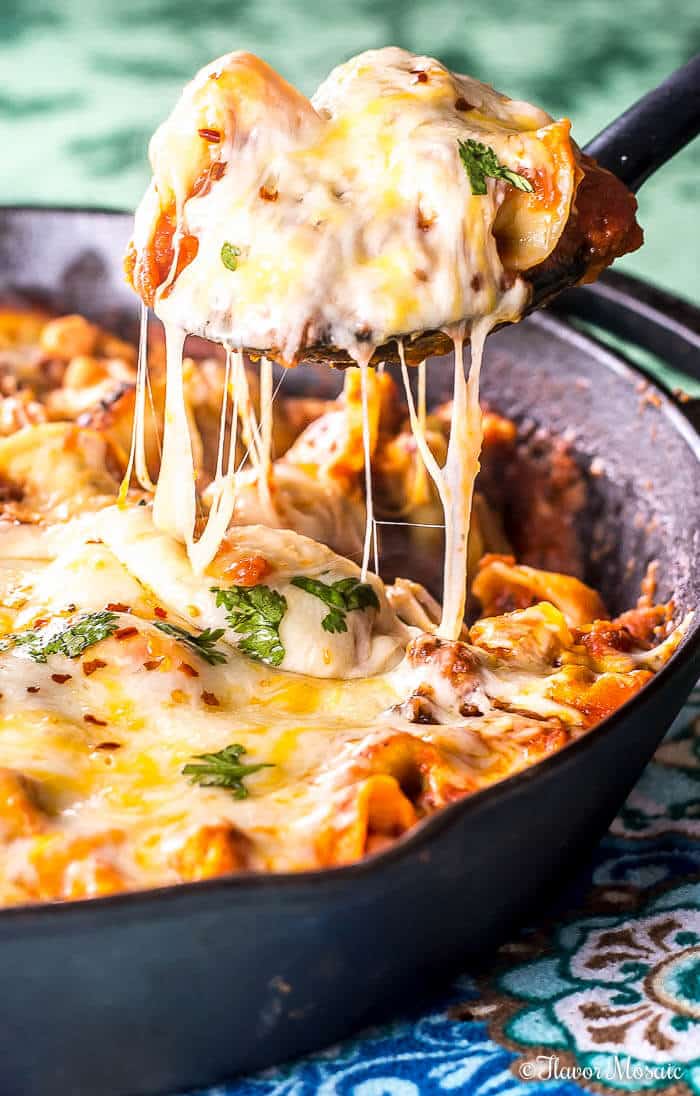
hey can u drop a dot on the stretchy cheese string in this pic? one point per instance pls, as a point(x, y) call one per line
point(195, 435)
point(246, 412)
point(154, 416)
point(434, 469)
point(174, 505)
point(265, 433)
point(454, 481)
point(137, 452)
point(222, 419)
point(457, 473)
point(367, 453)
point(422, 395)
point(202, 552)
point(420, 482)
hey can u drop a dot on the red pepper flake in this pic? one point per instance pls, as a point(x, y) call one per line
point(40, 622)
point(61, 679)
point(419, 76)
point(95, 721)
point(152, 664)
point(189, 670)
point(267, 194)
point(32, 688)
point(160, 613)
point(217, 170)
point(126, 633)
point(211, 135)
point(108, 746)
point(117, 607)
point(476, 283)
point(462, 104)
point(211, 700)
point(92, 664)
point(420, 275)
point(423, 222)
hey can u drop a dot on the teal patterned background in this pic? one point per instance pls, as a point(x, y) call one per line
point(84, 82)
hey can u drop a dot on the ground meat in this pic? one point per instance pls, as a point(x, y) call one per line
point(545, 494)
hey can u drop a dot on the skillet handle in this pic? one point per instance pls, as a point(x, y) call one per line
point(654, 128)
point(648, 317)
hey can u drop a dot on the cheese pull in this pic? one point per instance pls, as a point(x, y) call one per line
point(403, 204)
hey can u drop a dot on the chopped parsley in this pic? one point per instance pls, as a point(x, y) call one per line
point(223, 770)
point(203, 644)
point(480, 161)
point(255, 612)
point(70, 641)
point(341, 597)
point(230, 255)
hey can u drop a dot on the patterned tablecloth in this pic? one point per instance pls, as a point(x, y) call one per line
point(605, 996)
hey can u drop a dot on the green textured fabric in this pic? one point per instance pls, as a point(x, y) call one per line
point(83, 83)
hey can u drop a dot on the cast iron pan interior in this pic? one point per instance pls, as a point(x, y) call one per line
point(184, 986)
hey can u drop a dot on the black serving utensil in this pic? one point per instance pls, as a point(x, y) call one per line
point(654, 129)
point(632, 147)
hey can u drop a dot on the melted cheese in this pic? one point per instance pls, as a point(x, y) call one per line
point(373, 641)
point(105, 736)
point(352, 213)
point(351, 219)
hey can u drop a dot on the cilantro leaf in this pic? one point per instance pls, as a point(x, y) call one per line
point(480, 161)
point(255, 612)
point(70, 641)
point(223, 770)
point(341, 597)
point(230, 255)
point(203, 643)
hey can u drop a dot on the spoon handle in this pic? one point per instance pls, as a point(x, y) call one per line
point(654, 128)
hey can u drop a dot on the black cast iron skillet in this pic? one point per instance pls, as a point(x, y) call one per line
point(163, 990)
point(160, 991)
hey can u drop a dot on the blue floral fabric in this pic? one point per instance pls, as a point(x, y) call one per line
point(604, 998)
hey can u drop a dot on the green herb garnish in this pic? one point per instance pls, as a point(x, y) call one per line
point(223, 770)
point(255, 612)
point(480, 161)
point(342, 597)
point(203, 644)
point(19, 639)
point(230, 255)
point(71, 641)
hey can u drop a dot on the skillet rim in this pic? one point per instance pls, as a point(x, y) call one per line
point(62, 914)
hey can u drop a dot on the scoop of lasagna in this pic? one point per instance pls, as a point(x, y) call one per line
point(402, 198)
point(279, 710)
